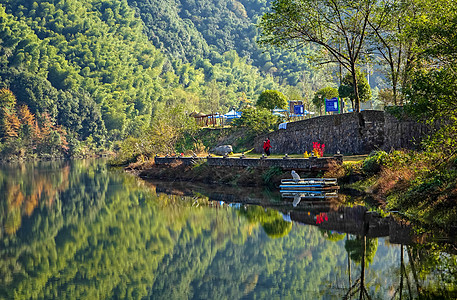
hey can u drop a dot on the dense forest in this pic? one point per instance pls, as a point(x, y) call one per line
point(91, 67)
point(190, 30)
point(78, 76)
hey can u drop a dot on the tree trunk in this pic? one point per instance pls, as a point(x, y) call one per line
point(356, 88)
point(401, 271)
point(362, 273)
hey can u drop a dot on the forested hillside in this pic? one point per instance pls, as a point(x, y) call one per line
point(187, 29)
point(89, 66)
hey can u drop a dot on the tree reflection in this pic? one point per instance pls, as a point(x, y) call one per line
point(271, 220)
point(277, 228)
point(355, 248)
point(25, 189)
point(433, 268)
point(362, 250)
point(425, 271)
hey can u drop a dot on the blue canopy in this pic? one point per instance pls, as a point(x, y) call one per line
point(233, 114)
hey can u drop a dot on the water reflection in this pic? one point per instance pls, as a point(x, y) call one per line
point(78, 230)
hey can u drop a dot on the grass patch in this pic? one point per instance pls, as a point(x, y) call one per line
point(270, 173)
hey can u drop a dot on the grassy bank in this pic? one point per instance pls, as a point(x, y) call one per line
point(421, 186)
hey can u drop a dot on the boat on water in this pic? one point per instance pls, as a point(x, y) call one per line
point(311, 181)
point(309, 185)
point(309, 188)
point(309, 194)
point(300, 187)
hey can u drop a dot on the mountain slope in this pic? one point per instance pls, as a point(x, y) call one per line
point(66, 58)
point(185, 29)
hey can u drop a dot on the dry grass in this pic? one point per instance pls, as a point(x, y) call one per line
point(390, 179)
point(335, 171)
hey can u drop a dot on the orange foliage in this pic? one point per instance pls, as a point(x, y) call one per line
point(37, 131)
point(30, 203)
point(28, 120)
point(34, 133)
point(44, 132)
point(26, 116)
point(14, 195)
point(17, 201)
point(63, 140)
point(11, 124)
point(394, 179)
point(46, 127)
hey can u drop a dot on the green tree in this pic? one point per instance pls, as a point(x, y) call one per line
point(432, 92)
point(322, 94)
point(271, 99)
point(392, 41)
point(169, 125)
point(339, 28)
point(79, 113)
point(7, 100)
point(432, 97)
point(346, 89)
point(214, 97)
point(257, 120)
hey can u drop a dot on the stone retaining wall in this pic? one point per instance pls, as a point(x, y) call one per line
point(170, 160)
point(403, 134)
point(302, 164)
point(349, 133)
point(305, 164)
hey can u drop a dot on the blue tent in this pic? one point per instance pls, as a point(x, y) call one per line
point(232, 115)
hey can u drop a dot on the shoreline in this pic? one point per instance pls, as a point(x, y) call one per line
point(354, 185)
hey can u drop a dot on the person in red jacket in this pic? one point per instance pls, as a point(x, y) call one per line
point(267, 146)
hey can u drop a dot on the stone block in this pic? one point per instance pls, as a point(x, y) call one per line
point(222, 150)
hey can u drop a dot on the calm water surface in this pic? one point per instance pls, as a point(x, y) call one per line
point(79, 230)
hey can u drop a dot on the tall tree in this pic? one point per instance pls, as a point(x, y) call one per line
point(339, 27)
point(271, 99)
point(346, 89)
point(7, 113)
point(432, 92)
point(391, 40)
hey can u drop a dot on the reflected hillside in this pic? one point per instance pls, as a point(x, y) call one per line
point(102, 235)
point(26, 188)
point(98, 233)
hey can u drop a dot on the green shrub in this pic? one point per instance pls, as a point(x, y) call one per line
point(372, 164)
point(270, 173)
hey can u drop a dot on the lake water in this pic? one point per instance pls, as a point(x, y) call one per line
point(80, 230)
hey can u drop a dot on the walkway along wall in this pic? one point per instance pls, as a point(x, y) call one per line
point(349, 133)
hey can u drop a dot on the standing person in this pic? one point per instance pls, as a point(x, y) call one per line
point(267, 146)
